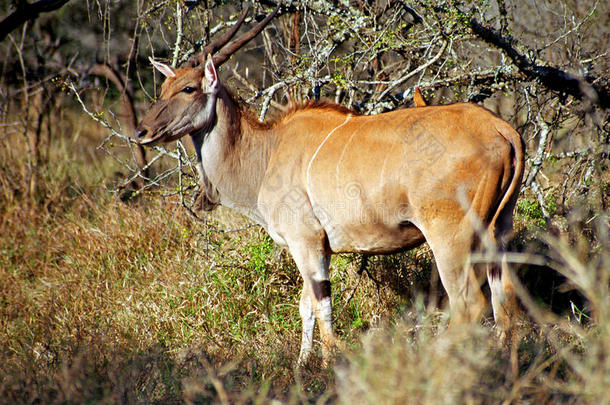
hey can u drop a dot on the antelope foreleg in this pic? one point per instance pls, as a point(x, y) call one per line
point(313, 262)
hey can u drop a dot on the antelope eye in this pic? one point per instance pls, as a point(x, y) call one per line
point(188, 90)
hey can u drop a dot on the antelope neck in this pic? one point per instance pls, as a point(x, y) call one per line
point(234, 156)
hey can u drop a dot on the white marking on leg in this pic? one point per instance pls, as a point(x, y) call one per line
point(325, 317)
point(498, 297)
point(309, 321)
point(313, 265)
point(325, 312)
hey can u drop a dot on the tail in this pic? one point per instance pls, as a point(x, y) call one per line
point(501, 223)
point(503, 297)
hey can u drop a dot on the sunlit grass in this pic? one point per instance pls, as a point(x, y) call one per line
point(102, 300)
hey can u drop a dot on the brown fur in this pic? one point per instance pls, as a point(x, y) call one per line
point(323, 179)
point(292, 108)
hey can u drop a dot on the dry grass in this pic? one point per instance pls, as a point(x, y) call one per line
point(102, 301)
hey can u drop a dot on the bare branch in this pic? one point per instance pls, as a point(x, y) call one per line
point(542, 145)
point(269, 94)
point(26, 12)
point(128, 107)
point(255, 90)
point(540, 197)
point(404, 78)
point(553, 78)
point(178, 34)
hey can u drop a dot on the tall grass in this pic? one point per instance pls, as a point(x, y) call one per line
point(106, 301)
point(561, 359)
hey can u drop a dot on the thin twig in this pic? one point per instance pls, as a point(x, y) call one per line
point(352, 293)
point(575, 28)
point(542, 146)
point(404, 78)
point(178, 33)
point(540, 197)
point(255, 90)
point(269, 94)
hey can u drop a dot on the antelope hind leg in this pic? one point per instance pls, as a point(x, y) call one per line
point(503, 298)
point(451, 252)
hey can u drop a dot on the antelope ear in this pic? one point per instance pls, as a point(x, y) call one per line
point(210, 80)
point(167, 71)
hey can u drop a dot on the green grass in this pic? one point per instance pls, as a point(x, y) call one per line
point(106, 301)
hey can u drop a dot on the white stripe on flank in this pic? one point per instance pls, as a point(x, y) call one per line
point(349, 141)
point(318, 150)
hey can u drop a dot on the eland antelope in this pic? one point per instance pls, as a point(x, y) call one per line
point(323, 179)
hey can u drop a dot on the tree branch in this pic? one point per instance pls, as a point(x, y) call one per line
point(128, 107)
point(402, 79)
point(553, 78)
point(26, 12)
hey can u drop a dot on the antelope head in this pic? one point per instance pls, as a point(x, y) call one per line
point(187, 103)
